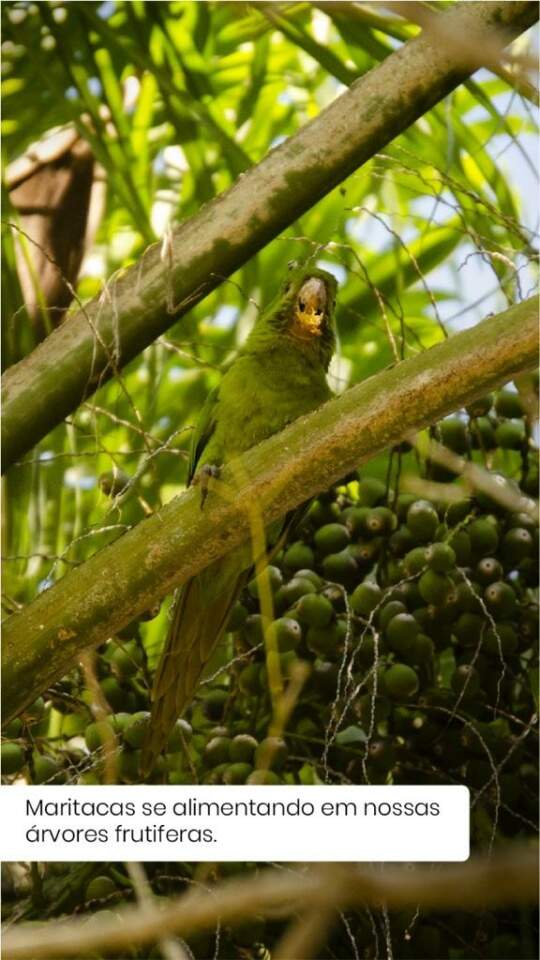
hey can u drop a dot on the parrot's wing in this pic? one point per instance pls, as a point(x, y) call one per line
point(204, 429)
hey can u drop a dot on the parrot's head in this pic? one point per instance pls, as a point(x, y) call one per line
point(310, 309)
point(304, 312)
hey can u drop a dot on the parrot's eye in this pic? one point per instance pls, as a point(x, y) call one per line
point(301, 304)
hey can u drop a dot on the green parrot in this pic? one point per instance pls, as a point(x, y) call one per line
point(278, 375)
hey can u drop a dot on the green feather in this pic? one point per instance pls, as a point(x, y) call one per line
point(276, 377)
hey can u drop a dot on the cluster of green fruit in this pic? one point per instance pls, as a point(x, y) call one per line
point(407, 628)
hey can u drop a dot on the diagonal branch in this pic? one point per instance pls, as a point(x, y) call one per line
point(126, 578)
point(140, 303)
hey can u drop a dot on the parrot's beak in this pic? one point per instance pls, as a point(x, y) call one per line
point(310, 308)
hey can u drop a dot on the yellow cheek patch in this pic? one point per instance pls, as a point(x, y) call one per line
point(307, 323)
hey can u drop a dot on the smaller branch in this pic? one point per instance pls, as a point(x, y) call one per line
point(503, 880)
point(475, 478)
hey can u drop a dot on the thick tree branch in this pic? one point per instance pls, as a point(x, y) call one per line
point(503, 880)
point(140, 303)
point(126, 578)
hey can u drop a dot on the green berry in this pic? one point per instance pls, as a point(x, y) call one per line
point(135, 732)
point(237, 618)
point(340, 568)
point(215, 775)
point(332, 538)
point(355, 520)
point(401, 632)
point(12, 758)
point(299, 555)
point(508, 404)
point(100, 888)
point(500, 599)
point(483, 434)
point(517, 545)
point(243, 747)
point(504, 640)
point(454, 434)
point(401, 542)
point(217, 751)
point(127, 659)
point(285, 634)
point(272, 575)
point(415, 561)
point(422, 520)
point(460, 542)
point(310, 575)
point(441, 557)
point(468, 629)
point(401, 682)
point(237, 773)
point(48, 769)
point(434, 587)
point(320, 513)
point(365, 552)
point(372, 491)
point(365, 598)
point(480, 407)
point(488, 570)
point(180, 735)
point(249, 679)
point(314, 610)
point(290, 592)
point(388, 611)
point(483, 536)
point(99, 735)
point(510, 435)
point(267, 778)
point(380, 521)
point(120, 721)
point(468, 594)
point(326, 641)
point(13, 728)
point(423, 649)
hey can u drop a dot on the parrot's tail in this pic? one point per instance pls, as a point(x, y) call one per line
point(199, 621)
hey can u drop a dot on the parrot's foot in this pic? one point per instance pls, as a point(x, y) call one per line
point(203, 476)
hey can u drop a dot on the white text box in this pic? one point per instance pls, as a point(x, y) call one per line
point(215, 823)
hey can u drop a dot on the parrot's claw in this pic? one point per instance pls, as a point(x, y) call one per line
point(203, 476)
